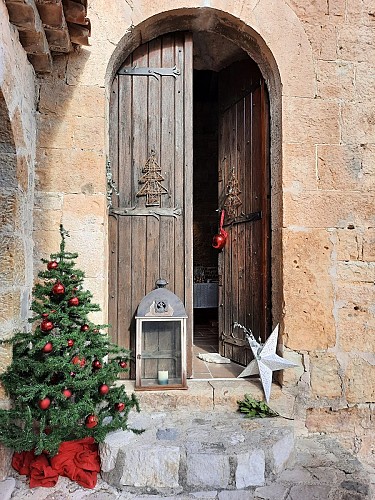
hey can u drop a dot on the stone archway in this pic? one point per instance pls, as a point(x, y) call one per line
point(17, 157)
point(254, 31)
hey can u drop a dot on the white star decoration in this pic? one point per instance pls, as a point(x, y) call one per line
point(265, 361)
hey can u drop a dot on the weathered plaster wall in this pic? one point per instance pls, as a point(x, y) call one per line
point(317, 58)
point(17, 158)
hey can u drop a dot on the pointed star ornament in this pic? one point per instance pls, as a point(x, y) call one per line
point(265, 361)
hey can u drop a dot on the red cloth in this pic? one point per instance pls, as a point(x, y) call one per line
point(41, 473)
point(21, 461)
point(78, 460)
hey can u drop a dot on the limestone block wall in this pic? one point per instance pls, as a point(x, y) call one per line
point(17, 163)
point(318, 60)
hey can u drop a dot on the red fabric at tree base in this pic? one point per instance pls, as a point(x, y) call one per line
point(78, 460)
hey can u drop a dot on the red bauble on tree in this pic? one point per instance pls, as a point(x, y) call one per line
point(52, 265)
point(46, 325)
point(91, 421)
point(67, 393)
point(48, 348)
point(96, 364)
point(70, 342)
point(123, 364)
point(119, 406)
point(74, 301)
point(44, 404)
point(76, 360)
point(58, 288)
point(103, 389)
point(85, 328)
point(45, 315)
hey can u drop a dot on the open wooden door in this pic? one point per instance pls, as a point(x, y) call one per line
point(244, 192)
point(151, 162)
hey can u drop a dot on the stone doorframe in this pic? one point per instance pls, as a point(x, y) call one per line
point(274, 37)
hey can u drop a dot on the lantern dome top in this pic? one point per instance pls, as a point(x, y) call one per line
point(160, 303)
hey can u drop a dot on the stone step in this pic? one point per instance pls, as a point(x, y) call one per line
point(213, 395)
point(194, 450)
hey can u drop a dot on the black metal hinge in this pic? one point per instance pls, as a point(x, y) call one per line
point(241, 219)
point(155, 72)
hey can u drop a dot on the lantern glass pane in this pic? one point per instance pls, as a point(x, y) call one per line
point(161, 353)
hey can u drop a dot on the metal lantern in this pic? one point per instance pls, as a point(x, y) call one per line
point(161, 341)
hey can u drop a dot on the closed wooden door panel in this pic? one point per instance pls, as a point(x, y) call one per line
point(150, 121)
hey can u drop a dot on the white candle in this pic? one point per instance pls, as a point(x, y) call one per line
point(163, 377)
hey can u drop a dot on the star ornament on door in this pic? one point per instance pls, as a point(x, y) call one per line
point(265, 361)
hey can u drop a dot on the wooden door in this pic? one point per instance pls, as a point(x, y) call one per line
point(151, 162)
point(244, 263)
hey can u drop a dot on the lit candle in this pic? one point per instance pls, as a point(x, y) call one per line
point(163, 377)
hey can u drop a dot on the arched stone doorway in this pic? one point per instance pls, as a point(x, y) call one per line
point(213, 48)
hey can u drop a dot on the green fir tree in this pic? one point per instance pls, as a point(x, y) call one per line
point(62, 377)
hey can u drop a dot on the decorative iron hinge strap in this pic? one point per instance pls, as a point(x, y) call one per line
point(155, 72)
point(156, 212)
point(245, 218)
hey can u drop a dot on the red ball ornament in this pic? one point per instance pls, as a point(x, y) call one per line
point(85, 328)
point(123, 364)
point(103, 389)
point(46, 325)
point(70, 343)
point(76, 360)
point(96, 364)
point(45, 315)
point(48, 348)
point(44, 404)
point(58, 288)
point(52, 265)
point(91, 421)
point(119, 406)
point(96, 330)
point(47, 431)
point(74, 301)
point(67, 393)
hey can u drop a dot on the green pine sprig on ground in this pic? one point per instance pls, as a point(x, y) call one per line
point(252, 408)
point(62, 377)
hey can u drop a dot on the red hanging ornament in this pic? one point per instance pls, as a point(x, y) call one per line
point(48, 348)
point(74, 301)
point(70, 342)
point(52, 265)
point(67, 393)
point(96, 330)
point(119, 406)
point(58, 288)
point(96, 364)
point(47, 431)
point(123, 364)
point(91, 421)
point(220, 239)
point(103, 389)
point(46, 325)
point(85, 328)
point(76, 360)
point(45, 315)
point(44, 404)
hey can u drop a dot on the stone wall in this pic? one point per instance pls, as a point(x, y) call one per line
point(318, 61)
point(17, 158)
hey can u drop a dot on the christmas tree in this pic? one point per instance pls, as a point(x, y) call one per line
point(61, 379)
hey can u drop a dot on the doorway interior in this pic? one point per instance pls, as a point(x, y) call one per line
point(215, 53)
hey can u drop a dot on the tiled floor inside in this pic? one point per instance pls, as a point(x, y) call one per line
point(206, 341)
